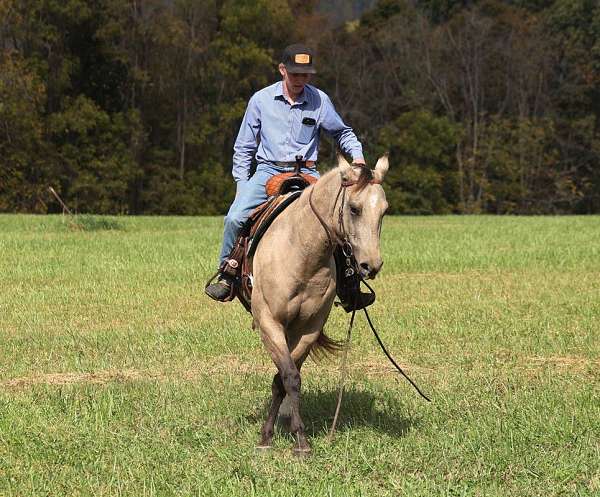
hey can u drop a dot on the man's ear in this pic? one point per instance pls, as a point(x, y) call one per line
point(347, 171)
point(281, 68)
point(382, 166)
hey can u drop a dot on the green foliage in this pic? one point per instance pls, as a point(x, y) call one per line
point(422, 180)
point(22, 172)
point(96, 164)
point(383, 11)
point(133, 107)
point(575, 28)
point(523, 172)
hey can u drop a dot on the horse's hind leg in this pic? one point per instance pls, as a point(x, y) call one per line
point(266, 433)
point(292, 383)
point(299, 352)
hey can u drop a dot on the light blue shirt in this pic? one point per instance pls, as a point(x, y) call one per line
point(277, 131)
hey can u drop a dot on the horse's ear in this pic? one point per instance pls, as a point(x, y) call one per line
point(347, 170)
point(342, 162)
point(381, 168)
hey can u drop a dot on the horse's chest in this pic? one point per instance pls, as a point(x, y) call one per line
point(314, 300)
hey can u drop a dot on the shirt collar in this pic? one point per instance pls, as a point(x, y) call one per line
point(303, 98)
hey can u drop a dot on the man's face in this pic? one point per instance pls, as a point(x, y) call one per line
point(294, 82)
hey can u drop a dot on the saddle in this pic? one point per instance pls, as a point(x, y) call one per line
point(283, 189)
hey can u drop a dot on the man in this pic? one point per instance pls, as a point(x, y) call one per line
point(282, 121)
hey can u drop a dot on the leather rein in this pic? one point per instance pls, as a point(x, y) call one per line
point(352, 268)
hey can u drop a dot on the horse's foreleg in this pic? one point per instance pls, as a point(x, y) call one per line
point(275, 342)
point(278, 392)
point(285, 410)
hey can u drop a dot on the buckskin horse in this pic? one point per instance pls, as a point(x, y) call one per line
point(294, 275)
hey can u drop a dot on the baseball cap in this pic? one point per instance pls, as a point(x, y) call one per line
point(298, 58)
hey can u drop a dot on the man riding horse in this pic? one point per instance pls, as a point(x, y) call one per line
point(283, 121)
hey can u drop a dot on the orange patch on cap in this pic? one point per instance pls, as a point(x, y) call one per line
point(302, 58)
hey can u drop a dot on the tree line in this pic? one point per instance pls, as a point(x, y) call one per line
point(132, 106)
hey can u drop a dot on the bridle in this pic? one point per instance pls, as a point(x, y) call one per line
point(351, 270)
point(332, 237)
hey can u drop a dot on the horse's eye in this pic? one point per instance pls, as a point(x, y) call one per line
point(355, 211)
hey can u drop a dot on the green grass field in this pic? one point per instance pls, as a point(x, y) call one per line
point(119, 377)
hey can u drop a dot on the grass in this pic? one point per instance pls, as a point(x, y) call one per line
point(118, 377)
point(88, 222)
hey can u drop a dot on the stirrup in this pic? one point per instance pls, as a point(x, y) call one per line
point(221, 291)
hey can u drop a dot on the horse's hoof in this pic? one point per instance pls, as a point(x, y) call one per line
point(302, 451)
point(301, 447)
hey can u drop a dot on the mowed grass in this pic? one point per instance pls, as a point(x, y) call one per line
point(119, 377)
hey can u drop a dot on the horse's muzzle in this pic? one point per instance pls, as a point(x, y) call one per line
point(368, 272)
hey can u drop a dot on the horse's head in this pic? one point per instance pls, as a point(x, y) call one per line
point(363, 210)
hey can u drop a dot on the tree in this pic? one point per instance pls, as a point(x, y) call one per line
point(424, 179)
point(574, 26)
point(23, 173)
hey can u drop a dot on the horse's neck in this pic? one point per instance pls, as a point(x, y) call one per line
point(324, 198)
point(303, 218)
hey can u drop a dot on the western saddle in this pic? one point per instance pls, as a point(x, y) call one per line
point(283, 189)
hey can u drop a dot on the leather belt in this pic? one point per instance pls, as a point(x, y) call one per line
point(309, 163)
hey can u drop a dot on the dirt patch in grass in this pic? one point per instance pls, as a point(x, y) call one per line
point(97, 377)
point(219, 366)
point(227, 365)
point(564, 362)
point(231, 365)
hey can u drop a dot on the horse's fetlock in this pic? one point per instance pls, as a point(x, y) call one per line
point(297, 427)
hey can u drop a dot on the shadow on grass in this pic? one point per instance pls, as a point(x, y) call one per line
point(359, 409)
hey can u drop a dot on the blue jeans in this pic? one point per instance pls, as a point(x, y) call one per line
point(249, 195)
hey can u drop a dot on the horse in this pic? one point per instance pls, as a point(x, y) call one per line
point(294, 275)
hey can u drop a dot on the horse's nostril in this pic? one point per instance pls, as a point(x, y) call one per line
point(366, 270)
point(369, 271)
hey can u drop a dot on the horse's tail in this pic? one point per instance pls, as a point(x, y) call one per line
point(325, 346)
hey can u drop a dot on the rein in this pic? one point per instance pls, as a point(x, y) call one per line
point(328, 232)
point(351, 269)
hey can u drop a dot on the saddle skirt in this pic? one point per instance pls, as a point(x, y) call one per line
point(239, 264)
point(262, 217)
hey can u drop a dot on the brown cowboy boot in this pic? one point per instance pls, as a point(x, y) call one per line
point(348, 286)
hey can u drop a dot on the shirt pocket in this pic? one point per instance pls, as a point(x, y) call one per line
point(308, 126)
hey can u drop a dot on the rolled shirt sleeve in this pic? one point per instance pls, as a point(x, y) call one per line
point(332, 124)
point(247, 141)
